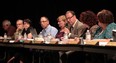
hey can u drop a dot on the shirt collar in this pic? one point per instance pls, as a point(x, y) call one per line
point(75, 22)
point(48, 28)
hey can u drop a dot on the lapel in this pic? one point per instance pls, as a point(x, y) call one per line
point(73, 30)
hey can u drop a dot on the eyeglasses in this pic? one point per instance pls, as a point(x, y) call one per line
point(43, 21)
point(18, 24)
point(70, 17)
point(5, 25)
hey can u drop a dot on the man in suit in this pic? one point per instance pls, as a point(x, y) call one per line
point(75, 26)
point(76, 30)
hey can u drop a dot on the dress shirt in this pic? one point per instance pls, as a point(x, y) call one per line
point(49, 30)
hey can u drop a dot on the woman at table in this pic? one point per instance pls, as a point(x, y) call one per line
point(61, 23)
point(89, 19)
point(28, 29)
point(106, 23)
point(63, 29)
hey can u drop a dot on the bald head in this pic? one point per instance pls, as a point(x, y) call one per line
point(6, 24)
point(19, 24)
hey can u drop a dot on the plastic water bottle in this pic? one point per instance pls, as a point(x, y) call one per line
point(5, 36)
point(25, 36)
point(40, 35)
point(49, 37)
point(88, 35)
point(65, 35)
point(65, 39)
point(19, 36)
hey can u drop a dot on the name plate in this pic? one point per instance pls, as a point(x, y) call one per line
point(38, 42)
point(12, 41)
point(111, 44)
point(53, 42)
point(90, 42)
point(102, 43)
point(73, 41)
point(27, 41)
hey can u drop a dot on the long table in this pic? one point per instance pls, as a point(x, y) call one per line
point(72, 47)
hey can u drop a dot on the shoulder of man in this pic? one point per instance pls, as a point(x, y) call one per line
point(53, 27)
point(79, 24)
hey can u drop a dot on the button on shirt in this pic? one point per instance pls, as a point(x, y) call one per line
point(49, 30)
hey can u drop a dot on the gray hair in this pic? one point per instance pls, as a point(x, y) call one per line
point(6, 22)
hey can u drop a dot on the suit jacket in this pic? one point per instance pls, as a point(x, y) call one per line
point(77, 30)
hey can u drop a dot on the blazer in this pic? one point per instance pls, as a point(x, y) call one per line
point(77, 30)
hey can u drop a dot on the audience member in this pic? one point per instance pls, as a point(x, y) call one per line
point(18, 56)
point(20, 27)
point(104, 31)
point(76, 27)
point(76, 30)
point(28, 29)
point(47, 55)
point(9, 29)
point(89, 19)
point(106, 23)
point(62, 24)
point(47, 28)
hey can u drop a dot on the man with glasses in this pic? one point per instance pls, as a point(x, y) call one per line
point(48, 55)
point(76, 27)
point(47, 28)
point(14, 55)
point(76, 30)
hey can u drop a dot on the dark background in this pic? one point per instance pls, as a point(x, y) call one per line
point(33, 10)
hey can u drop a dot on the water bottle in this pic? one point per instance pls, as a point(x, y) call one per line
point(65, 39)
point(65, 35)
point(19, 36)
point(40, 35)
point(25, 36)
point(5, 36)
point(49, 37)
point(88, 35)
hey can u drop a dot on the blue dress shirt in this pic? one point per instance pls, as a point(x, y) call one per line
point(49, 30)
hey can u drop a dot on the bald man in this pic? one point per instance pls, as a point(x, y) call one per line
point(20, 27)
point(10, 30)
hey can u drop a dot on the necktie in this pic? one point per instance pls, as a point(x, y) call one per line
point(71, 28)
